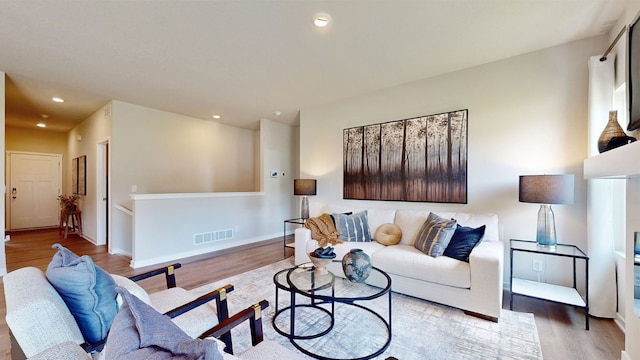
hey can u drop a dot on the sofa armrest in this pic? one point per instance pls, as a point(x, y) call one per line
point(486, 263)
point(302, 237)
point(67, 350)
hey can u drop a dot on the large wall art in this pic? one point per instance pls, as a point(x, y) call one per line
point(419, 159)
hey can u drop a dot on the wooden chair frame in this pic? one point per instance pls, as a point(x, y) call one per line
point(221, 331)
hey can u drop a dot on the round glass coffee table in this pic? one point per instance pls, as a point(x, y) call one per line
point(359, 327)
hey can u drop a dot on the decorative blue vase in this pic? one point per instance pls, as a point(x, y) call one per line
point(356, 265)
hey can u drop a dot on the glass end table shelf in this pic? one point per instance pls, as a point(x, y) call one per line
point(294, 221)
point(545, 291)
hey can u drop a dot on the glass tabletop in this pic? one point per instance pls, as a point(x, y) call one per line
point(560, 249)
point(305, 278)
point(302, 279)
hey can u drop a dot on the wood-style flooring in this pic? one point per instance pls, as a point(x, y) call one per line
point(560, 327)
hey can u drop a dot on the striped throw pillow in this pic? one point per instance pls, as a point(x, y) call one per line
point(354, 227)
point(435, 235)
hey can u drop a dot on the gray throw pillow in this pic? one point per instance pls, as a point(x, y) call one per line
point(434, 235)
point(141, 332)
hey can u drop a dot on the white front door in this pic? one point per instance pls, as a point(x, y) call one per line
point(34, 186)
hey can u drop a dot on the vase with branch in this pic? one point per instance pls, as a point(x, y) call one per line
point(68, 202)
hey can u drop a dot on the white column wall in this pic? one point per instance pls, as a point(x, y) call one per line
point(3, 258)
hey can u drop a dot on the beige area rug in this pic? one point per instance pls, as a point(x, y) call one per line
point(420, 329)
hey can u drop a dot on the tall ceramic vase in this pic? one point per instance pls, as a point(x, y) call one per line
point(356, 265)
point(612, 136)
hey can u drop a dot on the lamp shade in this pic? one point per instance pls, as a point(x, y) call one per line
point(546, 189)
point(304, 187)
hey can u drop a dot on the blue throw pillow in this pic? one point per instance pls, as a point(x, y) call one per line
point(352, 227)
point(463, 242)
point(88, 291)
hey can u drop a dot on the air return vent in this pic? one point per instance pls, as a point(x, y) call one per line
point(212, 236)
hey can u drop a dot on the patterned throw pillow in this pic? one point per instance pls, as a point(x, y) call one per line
point(354, 227)
point(463, 241)
point(435, 234)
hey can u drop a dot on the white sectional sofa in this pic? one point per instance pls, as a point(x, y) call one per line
point(474, 286)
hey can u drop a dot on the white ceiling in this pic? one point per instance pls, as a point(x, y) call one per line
point(247, 59)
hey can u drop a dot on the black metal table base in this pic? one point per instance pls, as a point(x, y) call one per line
point(316, 303)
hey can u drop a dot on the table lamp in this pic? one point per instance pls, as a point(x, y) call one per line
point(304, 187)
point(546, 190)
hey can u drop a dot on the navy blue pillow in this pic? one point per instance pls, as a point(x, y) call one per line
point(463, 241)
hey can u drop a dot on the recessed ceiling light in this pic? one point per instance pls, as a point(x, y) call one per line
point(278, 113)
point(57, 99)
point(41, 125)
point(321, 20)
point(216, 116)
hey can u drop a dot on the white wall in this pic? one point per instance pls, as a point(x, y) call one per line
point(164, 225)
point(632, 322)
point(3, 258)
point(83, 140)
point(527, 115)
point(162, 152)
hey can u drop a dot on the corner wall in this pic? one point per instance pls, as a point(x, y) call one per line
point(3, 258)
point(527, 115)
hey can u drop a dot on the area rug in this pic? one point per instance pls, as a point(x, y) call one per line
point(420, 329)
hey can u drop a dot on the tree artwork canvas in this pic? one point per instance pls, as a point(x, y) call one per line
point(420, 159)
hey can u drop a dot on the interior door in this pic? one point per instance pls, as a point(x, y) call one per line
point(34, 187)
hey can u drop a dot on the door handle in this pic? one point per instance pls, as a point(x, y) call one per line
point(14, 192)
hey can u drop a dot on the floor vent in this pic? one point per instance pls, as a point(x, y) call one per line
point(212, 236)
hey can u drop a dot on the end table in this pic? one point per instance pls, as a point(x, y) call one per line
point(550, 292)
point(292, 245)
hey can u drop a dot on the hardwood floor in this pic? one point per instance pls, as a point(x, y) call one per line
point(560, 328)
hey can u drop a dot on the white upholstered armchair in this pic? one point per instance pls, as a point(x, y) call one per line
point(42, 327)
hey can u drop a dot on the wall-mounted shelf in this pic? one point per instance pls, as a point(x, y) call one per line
point(620, 163)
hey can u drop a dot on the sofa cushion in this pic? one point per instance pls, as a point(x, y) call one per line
point(140, 332)
point(193, 322)
point(464, 239)
point(354, 227)
point(379, 217)
point(388, 234)
point(435, 234)
point(88, 291)
point(133, 288)
point(407, 261)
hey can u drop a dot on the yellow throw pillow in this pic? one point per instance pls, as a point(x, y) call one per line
point(388, 234)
